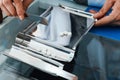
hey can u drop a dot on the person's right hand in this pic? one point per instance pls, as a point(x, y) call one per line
point(112, 18)
point(15, 7)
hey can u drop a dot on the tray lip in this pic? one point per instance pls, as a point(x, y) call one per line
point(50, 69)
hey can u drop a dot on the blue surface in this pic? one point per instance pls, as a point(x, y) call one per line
point(112, 32)
point(98, 3)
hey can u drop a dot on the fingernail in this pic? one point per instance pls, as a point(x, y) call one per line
point(93, 11)
point(21, 17)
point(95, 15)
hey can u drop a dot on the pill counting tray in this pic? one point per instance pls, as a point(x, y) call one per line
point(45, 55)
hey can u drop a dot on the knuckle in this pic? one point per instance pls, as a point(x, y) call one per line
point(113, 17)
point(17, 2)
point(117, 18)
point(111, 1)
point(6, 2)
point(102, 11)
point(1, 4)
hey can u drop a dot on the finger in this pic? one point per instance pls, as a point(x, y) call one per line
point(92, 11)
point(116, 9)
point(108, 19)
point(117, 3)
point(105, 20)
point(108, 4)
point(19, 8)
point(26, 3)
point(10, 7)
point(4, 9)
point(117, 22)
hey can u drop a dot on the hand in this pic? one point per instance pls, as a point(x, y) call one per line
point(113, 17)
point(15, 7)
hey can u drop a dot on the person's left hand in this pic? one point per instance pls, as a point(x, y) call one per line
point(113, 17)
point(15, 7)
